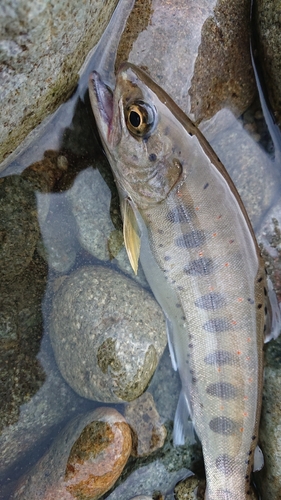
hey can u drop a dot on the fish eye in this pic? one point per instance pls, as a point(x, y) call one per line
point(140, 118)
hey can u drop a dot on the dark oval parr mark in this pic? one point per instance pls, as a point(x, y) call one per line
point(222, 390)
point(217, 325)
point(225, 464)
point(219, 358)
point(200, 267)
point(211, 301)
point(223, 425)
point(181, 213)
point(194, 239)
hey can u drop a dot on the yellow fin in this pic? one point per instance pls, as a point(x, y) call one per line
point(131, 236)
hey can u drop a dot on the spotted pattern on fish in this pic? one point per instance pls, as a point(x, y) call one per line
point(222, 390)
point(217, 325)
point(223, 425)
point(223, 495)
point(193, 239)
point(211, 301)
point(197, 250)
point(220, 358)
point(224, 463)
point(180, 214)
point(200, 267)
point(152, 157)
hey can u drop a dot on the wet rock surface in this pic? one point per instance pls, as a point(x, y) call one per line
point(107, 334)
point(257, 191)
point(191, 488)
point(45, 44)
point(21, 374)
point(19, 228)
point(58, 245)
point(29, 432)
point(268, 24)
point(83, 462)
point(269, 479)
point(90, 204)
point(148, 432)
point(156, 479)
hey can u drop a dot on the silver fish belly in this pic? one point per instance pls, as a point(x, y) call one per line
point(200, 257)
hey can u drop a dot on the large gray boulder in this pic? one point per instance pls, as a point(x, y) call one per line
point(42, 47)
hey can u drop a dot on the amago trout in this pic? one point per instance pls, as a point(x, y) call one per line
point(184, 219)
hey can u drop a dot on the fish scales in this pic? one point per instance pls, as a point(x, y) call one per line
point(202, 262)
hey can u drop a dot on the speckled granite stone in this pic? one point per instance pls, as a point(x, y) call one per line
point(42, 47)
point(108, 334)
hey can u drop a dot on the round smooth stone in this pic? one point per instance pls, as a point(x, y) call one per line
point(107, 333)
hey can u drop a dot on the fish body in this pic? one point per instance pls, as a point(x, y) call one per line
point(183, 214)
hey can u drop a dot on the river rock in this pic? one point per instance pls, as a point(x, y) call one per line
point(58, 244)
point(269, 479)
point(24, 439)
point(148, 432)
point(268, 23)
point(42, 49)
point(83, 462)
point(19, 228)
point(191, 488)
point(90, 204)
point(107, 333)
point(150, 481)
point(21, 326)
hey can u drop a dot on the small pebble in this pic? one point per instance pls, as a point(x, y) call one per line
point(148, 433)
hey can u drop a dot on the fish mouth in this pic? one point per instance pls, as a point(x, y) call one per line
point(101, 97)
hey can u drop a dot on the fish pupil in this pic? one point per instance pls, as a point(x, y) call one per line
point(135, 119)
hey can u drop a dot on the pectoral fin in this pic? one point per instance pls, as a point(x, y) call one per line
point(131, 235)
point(183, 426)
point(169, 331)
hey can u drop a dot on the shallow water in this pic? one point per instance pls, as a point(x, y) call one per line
point(61, 247)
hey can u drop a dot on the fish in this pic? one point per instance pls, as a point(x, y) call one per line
point(184, 221)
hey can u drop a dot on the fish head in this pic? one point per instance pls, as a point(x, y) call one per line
point(141, 136)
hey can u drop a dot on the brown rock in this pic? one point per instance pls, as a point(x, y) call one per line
point(21, 327)
point(84, 462)
point(269, 479)
point(190, 489)
point(43, 174)
point(268, 21)
point(148, 433)
point(19, 229)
